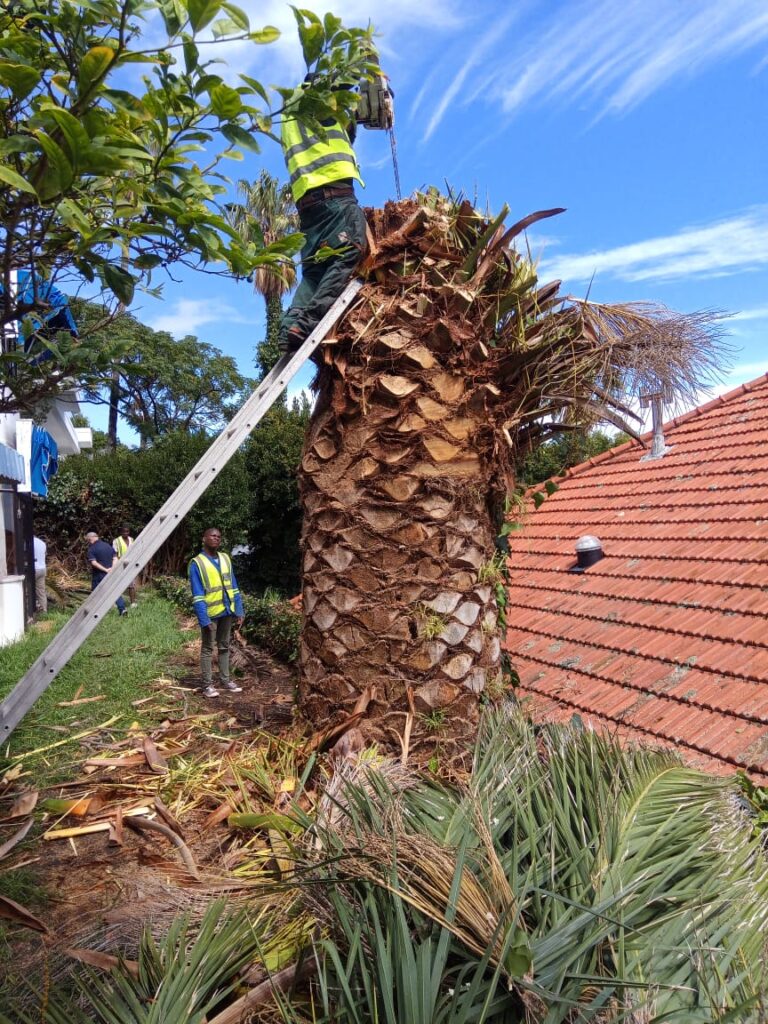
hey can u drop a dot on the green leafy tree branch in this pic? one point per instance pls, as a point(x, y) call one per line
point(105, 181)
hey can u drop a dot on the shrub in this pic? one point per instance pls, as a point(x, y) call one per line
point(273, 624)
point(101, 492)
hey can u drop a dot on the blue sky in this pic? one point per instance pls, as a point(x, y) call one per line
point(646, 119)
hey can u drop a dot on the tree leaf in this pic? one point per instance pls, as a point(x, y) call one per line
point(312, 39)
point(171, 14)
point(93, 66)
point(59, 172)
point(16, 838)
point(13, 911)
point(240, 137)
point(191, 56)
point(74, 134)
point(238, 16)
point(268, 34)
point(224, 27)
point(24, 804)
point(270, 820)
point(119, 282)
point(202, 12)
point(21, 79)
point(225, 102)
point(18, 144)
point(15, 180)
point(257, 87)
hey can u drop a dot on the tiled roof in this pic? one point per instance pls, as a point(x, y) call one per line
point(665, 640)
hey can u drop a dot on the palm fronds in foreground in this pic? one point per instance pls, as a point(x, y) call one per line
point(571, 881)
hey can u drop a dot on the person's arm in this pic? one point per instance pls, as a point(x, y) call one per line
point(239, 611)
point(97, 565)
point(198, 596)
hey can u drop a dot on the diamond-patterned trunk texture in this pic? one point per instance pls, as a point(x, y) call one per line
point(397, 515)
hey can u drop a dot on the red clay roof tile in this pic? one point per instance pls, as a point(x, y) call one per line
point(666, 638)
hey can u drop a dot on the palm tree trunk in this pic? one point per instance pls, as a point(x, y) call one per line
point(397, 533)
point(398, 528)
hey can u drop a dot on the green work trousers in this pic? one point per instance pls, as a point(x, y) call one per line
point(219, 632)
point(337, 224)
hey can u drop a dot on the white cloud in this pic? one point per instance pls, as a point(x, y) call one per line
point(758, 313)
point(607, 55)
point(189, 315)
point(743, 372)
point(476, 54)
point(723, 248)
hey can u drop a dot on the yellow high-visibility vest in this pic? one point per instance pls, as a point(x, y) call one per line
point(313, 162)
point(216, 584)
point(121, 545)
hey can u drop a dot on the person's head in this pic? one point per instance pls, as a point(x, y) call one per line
point(125, 531)
point(91, 537)
point(212, 538)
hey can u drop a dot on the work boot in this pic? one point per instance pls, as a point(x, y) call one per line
point(227, 684)
point(290, 341)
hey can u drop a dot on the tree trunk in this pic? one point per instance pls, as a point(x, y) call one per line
point(114, 398)
point(398, 536)
point(267, 352)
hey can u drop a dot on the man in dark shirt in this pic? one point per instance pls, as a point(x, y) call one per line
point(101, 558)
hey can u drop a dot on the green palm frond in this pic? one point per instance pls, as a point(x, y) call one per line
point(180, 979)
point(633, 882)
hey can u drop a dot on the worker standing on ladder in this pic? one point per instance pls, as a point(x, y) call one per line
point(322, 174)
point(218, 605)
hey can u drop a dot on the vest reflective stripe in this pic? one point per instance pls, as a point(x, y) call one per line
point(313, 162)
point(121, 546)
point(332, 133)
point(216, 584)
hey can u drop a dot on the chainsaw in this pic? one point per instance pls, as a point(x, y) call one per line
point(376, 110)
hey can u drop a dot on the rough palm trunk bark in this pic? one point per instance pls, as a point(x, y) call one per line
point(398, 530)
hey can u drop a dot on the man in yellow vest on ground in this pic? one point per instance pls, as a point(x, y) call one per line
point(121, 545)
point(322, 174)
point(218, 605)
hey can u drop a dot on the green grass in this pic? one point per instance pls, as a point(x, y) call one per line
point(119, 660)
point(23, 886)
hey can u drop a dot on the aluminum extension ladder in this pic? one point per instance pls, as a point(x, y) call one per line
point(77, 630)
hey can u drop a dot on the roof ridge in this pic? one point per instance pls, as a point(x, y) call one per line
point(669, 425)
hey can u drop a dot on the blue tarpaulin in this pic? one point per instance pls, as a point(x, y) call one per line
point(45, 322)
point(44, 462)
